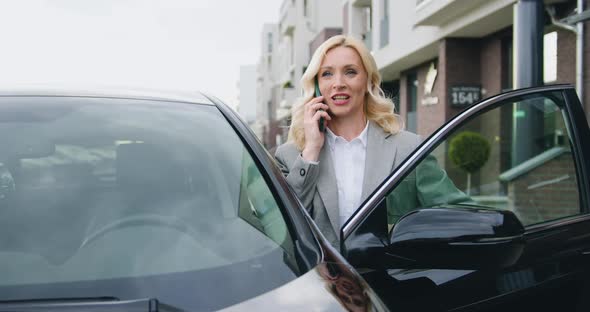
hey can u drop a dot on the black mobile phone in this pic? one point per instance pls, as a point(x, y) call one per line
point(321, 122)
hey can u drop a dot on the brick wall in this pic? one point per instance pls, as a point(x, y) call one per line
point(491, 66)
point(460, 65)
point(429, 117)
point(566, 57)
point(552, 201)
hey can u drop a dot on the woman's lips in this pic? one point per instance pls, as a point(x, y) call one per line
point(340, 99)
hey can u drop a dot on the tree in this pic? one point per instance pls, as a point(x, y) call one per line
point(469, 151)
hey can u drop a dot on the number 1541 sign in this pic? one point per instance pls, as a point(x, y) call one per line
point(464, 95)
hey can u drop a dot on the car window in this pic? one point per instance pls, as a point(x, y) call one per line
point(163, 198)
point(516, 156)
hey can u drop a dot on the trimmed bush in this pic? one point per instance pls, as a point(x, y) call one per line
point(469, 151)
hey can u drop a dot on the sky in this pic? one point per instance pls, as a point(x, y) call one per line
point(153, 44)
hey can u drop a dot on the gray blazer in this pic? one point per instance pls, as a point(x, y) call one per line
point(315, 185)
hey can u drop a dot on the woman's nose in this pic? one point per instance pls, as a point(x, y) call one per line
point(339, 81)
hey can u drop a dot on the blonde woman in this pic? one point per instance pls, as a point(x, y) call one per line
point(333, 172)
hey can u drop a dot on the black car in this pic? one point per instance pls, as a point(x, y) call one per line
point(142, 201)
point(151, 202)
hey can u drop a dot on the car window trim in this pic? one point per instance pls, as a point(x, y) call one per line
point(431, 142)
point(579, 152)
point(557, 223)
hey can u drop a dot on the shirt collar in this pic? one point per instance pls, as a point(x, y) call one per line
point(331, 137)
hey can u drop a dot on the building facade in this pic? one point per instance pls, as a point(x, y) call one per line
point(439, 56)
point(300, 23)
point(267, 83)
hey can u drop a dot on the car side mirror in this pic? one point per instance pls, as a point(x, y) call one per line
point(456, 238)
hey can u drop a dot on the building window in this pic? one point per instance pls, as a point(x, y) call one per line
point(269, 36)
point(550, 57)
point(305, 8)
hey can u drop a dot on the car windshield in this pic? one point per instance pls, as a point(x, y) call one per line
point(134, 199)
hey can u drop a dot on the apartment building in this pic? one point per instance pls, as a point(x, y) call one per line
point(301, 24)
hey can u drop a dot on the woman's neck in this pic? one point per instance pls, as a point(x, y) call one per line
point(348, 128)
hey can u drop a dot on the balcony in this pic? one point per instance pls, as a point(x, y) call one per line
point(440, 12)
point(288, 18)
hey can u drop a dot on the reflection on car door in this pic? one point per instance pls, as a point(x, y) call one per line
point(522, 153)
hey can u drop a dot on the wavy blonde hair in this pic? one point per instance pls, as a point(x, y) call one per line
point(378, 107)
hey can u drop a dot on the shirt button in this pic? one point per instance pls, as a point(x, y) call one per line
point(302, 172)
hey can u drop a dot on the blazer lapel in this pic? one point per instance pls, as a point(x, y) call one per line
point(379, 158)
point(328, 188)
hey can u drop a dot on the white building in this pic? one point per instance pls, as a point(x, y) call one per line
point(267, 82)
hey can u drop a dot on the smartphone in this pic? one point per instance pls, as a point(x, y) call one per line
point(321, 122)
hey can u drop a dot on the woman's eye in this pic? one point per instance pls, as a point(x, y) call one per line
point(351, 72)
point(326, 74)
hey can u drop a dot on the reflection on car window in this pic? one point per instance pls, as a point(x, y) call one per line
point(134, 190)
point(259, 208)
point(515, 157)
point(6, 182)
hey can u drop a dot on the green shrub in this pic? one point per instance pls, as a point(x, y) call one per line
point(469, 151)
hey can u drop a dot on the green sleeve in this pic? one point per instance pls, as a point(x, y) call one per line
point(428, 185)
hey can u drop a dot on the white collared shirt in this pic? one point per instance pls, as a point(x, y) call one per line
point(349, 167)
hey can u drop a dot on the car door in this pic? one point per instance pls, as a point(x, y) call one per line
point(490, 213)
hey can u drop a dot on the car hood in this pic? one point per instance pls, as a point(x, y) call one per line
point(327, 287)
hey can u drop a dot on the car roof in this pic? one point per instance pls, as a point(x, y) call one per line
point(107, 92)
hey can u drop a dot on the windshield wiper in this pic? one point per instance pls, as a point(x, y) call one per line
point(97, 304)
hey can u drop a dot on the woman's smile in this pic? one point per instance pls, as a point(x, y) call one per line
point(340, 99)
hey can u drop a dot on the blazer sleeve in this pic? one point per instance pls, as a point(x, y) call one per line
point(428, 185)
point(301, 175)
point(434, 187)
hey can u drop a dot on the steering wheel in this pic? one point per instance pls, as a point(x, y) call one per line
point(141, 220)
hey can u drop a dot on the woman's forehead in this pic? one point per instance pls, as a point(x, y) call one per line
point(342, 56)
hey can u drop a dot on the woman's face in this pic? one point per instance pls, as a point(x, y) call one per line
point(343, 82)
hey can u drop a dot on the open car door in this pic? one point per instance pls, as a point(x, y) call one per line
point(490, 213)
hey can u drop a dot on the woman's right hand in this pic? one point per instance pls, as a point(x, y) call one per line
point(314, 138)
